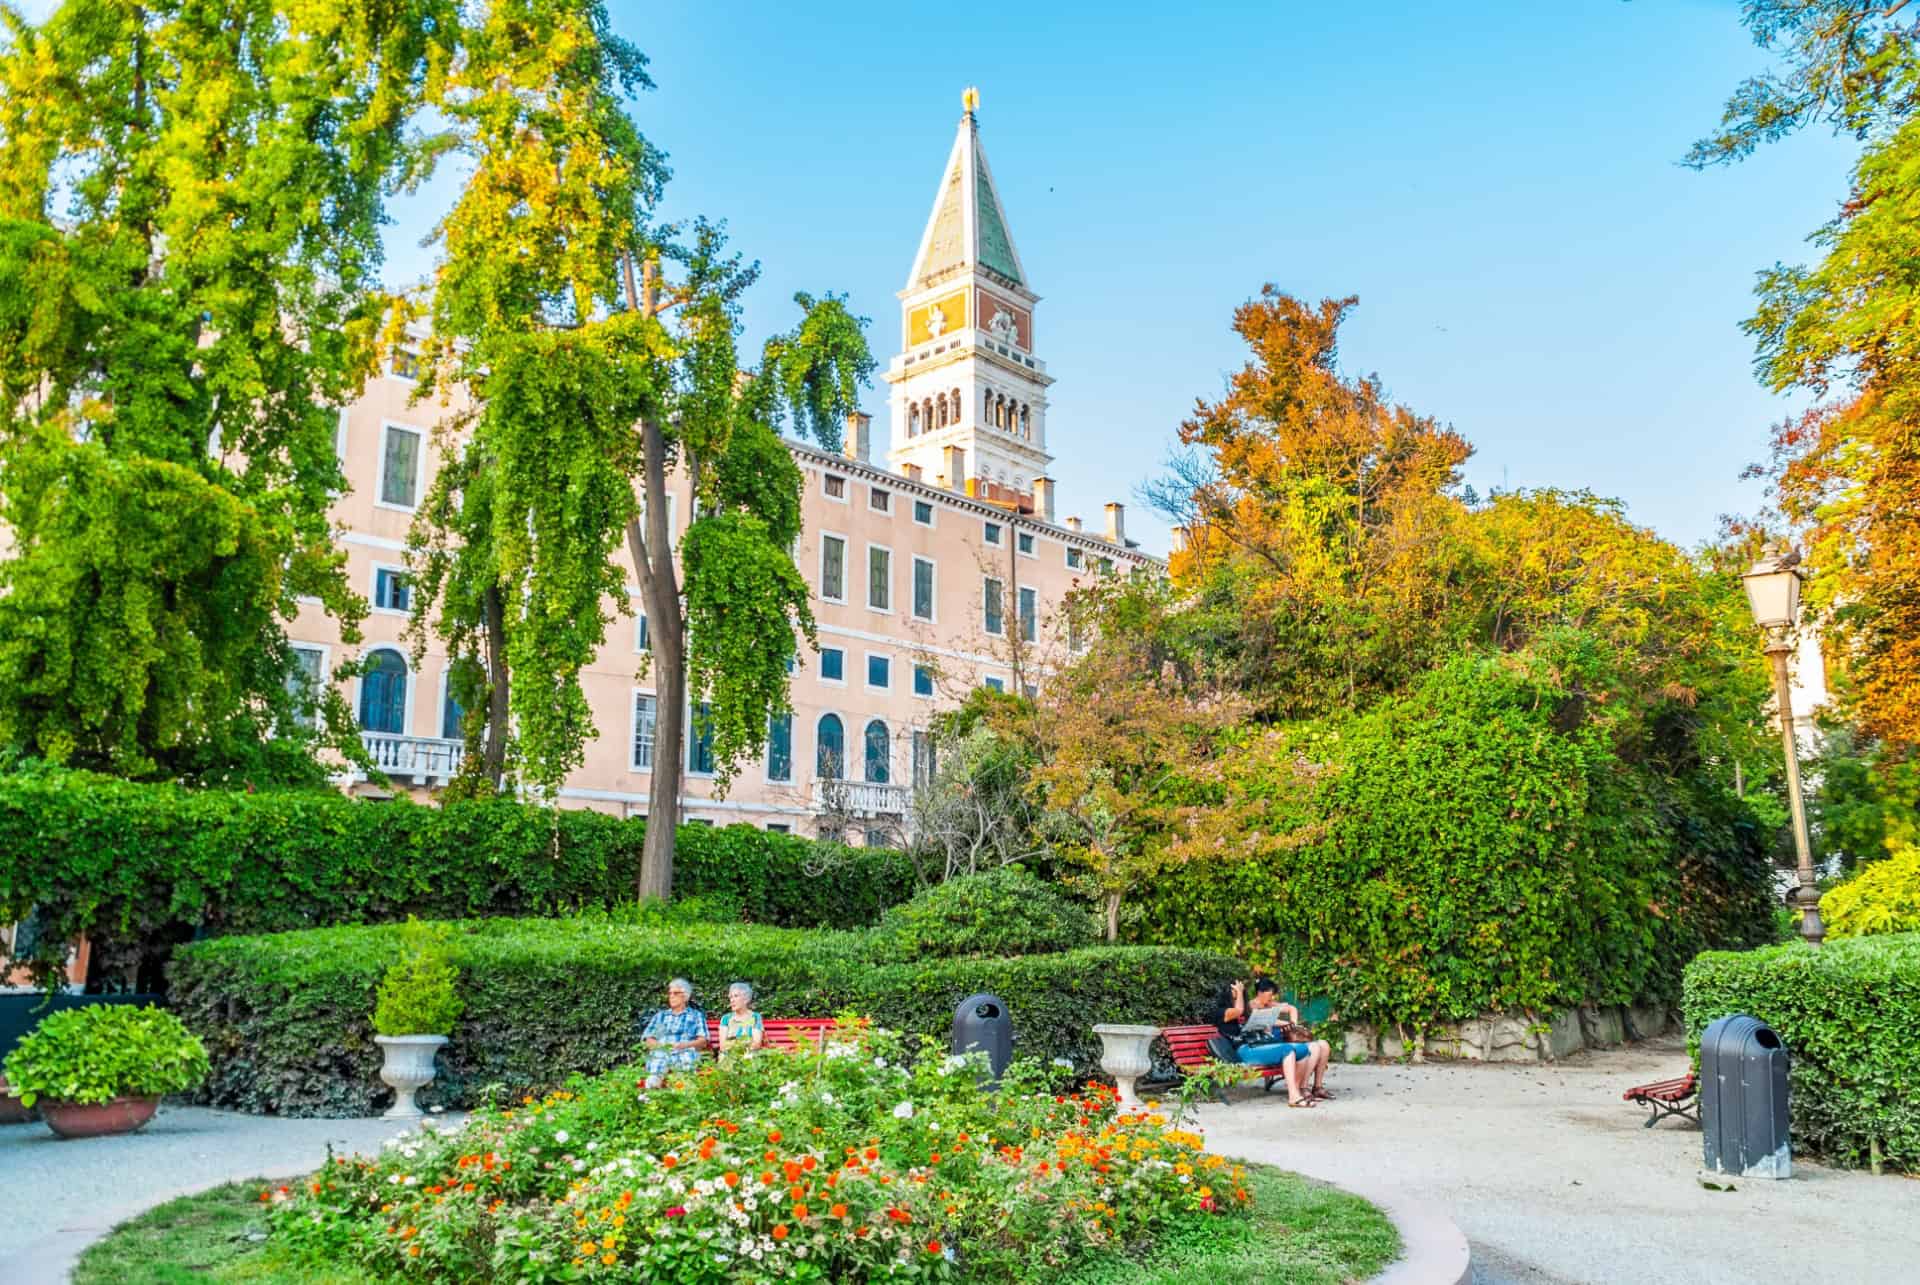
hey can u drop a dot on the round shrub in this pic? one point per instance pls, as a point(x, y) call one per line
point(1003, 912)
point(416, 996)
point(1883, 898)
point(93, 1055)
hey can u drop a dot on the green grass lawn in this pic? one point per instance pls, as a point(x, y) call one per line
point(1302, 1233)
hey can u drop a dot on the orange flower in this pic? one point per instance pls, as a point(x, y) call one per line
point(933, 1247)
point(934, 1159)
point(706, 1148)
point(770, 1155)
point(413, 1251)
point(766, 1179)
point(773, 1135)
point(838, 1211)
point(731, 1178)
point(899, 1215)
point(792, 1170)
point(669, 1160)
point(873, 1153)
point(799, 1209)
point(807, 1163)
point(779, 1231)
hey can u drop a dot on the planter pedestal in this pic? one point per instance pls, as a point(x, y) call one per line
point(77, 1120)
point(408, 1069)
point(1126, 1056)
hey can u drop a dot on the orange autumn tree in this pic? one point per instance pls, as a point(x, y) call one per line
point(1321, 517)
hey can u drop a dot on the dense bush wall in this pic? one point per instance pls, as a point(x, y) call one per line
point(287, 1018)
point(139, 868)
point(1476, 846)
point(1847, 1012)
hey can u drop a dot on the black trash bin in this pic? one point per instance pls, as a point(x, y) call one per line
point(981, 1024)
point(1743, 1099)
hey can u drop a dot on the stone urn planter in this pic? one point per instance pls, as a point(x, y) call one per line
point(1126, 1055)
point(97, 1120)
point(408, 1069)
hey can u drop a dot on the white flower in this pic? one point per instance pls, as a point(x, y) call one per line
point(593, 1146)
point(751, 1204)
point(411, 1181)
point(1185, 1179)
point(757, 1255)
point(1064, 1063)
point(904, 1111)
point(394, 1178)
point(561, 1136)
point(880, 1062)
point(933, 1126)
point(776, 1196)
point(886, 1233)
point(799, 1251)
point(578, 1165)
point(827, 1098)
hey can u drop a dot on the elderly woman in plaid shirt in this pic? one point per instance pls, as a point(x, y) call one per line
point(675, 1034)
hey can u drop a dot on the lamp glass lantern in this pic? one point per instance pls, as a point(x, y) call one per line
point(1773, 591)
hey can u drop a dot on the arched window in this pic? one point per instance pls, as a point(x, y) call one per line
point(879, 752)
point(941, 410)
point(986, 406)
point(830, 755)
point(913, 420)
point(957, 405)
point(926, 413)
point(383, 694)
point(1026, 421)
point(999, 409)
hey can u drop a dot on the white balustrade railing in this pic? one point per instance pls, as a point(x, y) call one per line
point(862, 798)
point(425, 759)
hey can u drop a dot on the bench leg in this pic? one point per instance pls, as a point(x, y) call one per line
point(1658, 1111)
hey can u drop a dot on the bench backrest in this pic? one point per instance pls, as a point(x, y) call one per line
point(785, 1032)
point(1188, 1044)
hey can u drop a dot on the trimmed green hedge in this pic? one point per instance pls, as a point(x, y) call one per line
point(287, 1018)
point(1848, 1012)
point(141, 868)
point(1001, 912)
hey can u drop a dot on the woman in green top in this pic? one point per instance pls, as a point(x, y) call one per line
point(740, 1026)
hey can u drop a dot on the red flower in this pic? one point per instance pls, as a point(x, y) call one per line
point(675, 1211)
point(899, 1215)
point(933, 1247)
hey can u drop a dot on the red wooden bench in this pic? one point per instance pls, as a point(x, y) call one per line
point(782, 1032)
point(1188, 1045)
point(1662, 1098)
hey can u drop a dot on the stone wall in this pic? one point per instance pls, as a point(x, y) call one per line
point(1517, 1037)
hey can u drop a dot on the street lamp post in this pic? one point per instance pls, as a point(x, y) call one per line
point(1773, 591)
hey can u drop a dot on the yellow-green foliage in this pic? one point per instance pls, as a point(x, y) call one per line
point(1883, 898)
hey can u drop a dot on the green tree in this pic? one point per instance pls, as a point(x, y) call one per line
point(1847, 473)
point(600, 353)
point(190, 201)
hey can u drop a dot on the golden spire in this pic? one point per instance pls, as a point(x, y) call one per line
point(970, 100)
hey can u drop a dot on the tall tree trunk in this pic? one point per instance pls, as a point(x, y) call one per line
point(1113, 918)
point(652, 554)
point(499, 708)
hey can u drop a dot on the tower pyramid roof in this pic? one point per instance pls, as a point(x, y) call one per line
point(968, 226)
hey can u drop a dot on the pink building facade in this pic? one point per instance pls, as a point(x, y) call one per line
point(938, 571)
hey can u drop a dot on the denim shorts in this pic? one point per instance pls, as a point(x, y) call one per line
point(1273, 1054)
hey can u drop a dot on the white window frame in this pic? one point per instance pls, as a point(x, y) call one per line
point(413, 689)
point(872, 656)
point(419, 468)
point(933, 594)
point(914, 684)
point(933, 512)
point(833, 682)
point(991, 533)
point(373, 590)
point(836, 499)
point(1033, 541)
point(1021, 616)
point(845, 778)
point(340, 438)
point(1076, 561)
point(633, 729)
point(867, 578)
point(440, 706)
point(392, 371)
point(996, 681)
point(793, 759)
point(325, 681)
point(881, 493)
point(821, 583)
point(642, 640)
point(985, 626)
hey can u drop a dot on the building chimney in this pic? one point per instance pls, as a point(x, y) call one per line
point(1179, 539)
point(1073, 524)
point(913, 473)
point(1043, 498)
point(859, 440)
point(955, 458)
point(1117, 522)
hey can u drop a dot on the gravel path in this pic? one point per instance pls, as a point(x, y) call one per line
point(63, 1194)
point(1553, 1179)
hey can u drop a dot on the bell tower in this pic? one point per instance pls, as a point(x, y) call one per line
point(968, 402)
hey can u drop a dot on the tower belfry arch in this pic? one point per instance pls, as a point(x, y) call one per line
point(968, 401)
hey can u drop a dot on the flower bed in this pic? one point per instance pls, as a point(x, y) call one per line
point(842, 1165)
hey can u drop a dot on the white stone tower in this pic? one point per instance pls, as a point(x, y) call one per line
point(969, 399)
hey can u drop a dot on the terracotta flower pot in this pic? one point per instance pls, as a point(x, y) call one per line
point(11, 1112)
point(78, 1120)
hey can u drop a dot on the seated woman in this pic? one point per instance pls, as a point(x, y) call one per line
point(740, 1026)
point(1266, 994)
point(674, 1035)
point(1230, 1013)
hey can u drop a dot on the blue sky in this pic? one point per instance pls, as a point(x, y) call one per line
point(1496, 181)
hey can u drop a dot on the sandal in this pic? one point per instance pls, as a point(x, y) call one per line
point(1321, 1094)
point(1301, 1104)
